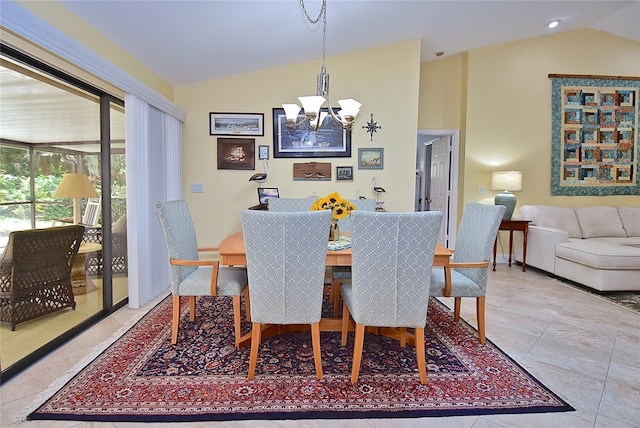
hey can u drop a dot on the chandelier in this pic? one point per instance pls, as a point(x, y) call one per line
point(312, 104)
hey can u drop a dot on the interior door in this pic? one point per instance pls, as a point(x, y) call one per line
point(438, 198)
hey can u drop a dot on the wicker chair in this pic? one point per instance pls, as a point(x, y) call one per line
point(35, 272)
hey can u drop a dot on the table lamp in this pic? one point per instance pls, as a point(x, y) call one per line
point(507, 181)
point(75, 186)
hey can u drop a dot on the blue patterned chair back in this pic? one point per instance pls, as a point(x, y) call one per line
point(180, 237)
point(286, 261)
point(361, 205)
point(290, 204)
point(392, 257)
point(476, 236)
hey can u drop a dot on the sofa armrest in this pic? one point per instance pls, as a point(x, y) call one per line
point(541, 246)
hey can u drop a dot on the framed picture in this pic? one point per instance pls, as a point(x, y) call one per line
point(300, 141)
point(344, 173)
point(263, 152)
point(236, 124)
point(236, 153)
point(371, 158)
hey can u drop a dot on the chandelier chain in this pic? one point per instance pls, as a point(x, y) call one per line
point(322, 14)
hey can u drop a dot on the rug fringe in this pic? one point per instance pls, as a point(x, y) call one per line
point(43, 396)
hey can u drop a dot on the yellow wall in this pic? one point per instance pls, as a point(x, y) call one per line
point(508, 107)
point(382, 79)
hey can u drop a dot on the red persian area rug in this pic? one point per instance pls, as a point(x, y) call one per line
point(143, 378)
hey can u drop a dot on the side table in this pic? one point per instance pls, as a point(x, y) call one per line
point(511, 225)
point(79, 281)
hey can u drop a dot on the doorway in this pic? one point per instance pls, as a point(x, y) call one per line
point(436, 173)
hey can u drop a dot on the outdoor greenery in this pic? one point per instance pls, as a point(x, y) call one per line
point(15, 183)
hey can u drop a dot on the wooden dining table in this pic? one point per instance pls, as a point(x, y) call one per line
point(232, 253)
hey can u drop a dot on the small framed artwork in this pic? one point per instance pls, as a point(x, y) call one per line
point(236, 153)
point(236, 124)
point(263, 152)
point(371, 158)
point(344, 173)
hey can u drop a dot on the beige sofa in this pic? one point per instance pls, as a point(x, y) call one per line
point(594, 246)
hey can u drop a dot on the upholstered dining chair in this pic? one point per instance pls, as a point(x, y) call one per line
point(390, 263)
point(286, 262)
point(193, 277)
point(343, 273)
point(470, 266)
point(290, 204)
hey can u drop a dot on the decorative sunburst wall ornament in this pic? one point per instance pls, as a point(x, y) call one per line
point(372, 127)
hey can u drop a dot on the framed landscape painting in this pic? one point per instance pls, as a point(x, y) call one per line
point(300, 141)
point(236, 124)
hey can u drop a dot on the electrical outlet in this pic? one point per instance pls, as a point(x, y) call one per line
point(197, 188)
point(482, 190)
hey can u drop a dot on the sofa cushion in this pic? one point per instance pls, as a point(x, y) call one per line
point(599, 254)
point(630, 217)
point(598, 222)
point(553, 217)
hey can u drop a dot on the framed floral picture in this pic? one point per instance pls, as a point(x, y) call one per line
point(236, 153)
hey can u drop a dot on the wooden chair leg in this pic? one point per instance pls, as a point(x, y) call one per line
point(256, 329)
point(336, 285)
point(345, 324)
point(247, 304)
point(480, 302)
point(237, 319)
point(176, 319)
point(403, 337)
point(192, 308)
point(457, 301)
point(357, 353)
point(317, 356)
point(420, 355)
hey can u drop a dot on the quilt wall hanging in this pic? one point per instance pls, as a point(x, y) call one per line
point(594, 135)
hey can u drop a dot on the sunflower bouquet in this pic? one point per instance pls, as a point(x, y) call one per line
point(340, 208)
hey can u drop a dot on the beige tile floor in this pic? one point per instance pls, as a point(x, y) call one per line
point(585, 349)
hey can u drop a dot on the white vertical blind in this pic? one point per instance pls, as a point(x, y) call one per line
point(153, 146)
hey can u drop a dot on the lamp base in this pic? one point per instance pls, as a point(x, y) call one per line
point(507, 199)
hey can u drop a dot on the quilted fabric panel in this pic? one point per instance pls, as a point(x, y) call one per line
point(391, 267)
point(286, 261)
point(180, 238)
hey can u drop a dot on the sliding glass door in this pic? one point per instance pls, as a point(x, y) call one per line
point(51, 125)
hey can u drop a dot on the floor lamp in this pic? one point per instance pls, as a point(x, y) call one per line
point(75, 186)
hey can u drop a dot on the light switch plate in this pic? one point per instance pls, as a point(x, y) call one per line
point(197, 188)
point(482, 190)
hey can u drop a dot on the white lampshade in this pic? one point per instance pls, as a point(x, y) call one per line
point(350, 109)
point(314, 124)
point(312, 105)
point(291, 110)
point(506, 180)
point(75, 186)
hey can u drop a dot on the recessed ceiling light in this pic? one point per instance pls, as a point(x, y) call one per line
point(439, 53)
point(554, 24)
